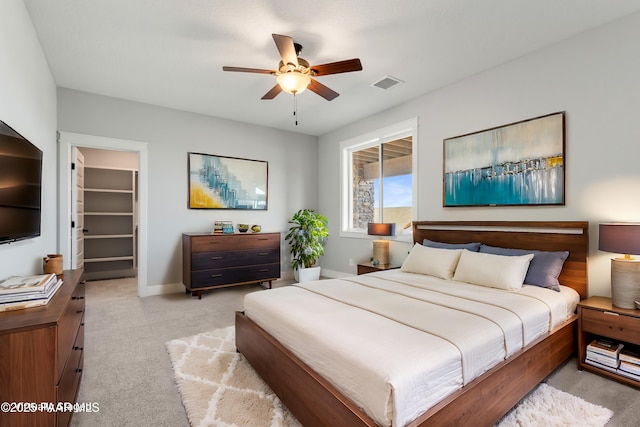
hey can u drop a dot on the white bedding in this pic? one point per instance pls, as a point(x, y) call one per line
point(396, 343)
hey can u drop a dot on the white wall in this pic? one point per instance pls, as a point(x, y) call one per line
point(28, 105)
point(594, 77)
point(170, 135)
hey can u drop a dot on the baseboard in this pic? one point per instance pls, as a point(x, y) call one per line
point(168, 288)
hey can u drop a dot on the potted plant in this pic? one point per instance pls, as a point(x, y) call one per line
point(306, 238)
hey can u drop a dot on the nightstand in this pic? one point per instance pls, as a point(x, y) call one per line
point(367, 267)
point(598, 318)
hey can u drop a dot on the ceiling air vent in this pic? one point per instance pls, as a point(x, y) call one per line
point(387, 82)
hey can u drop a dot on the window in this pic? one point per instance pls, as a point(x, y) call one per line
point(378, 179)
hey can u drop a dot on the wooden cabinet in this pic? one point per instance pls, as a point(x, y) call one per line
point(598, 318)
point(367, 267)
point(41, 354)
point(217, 260)
point(109, 222)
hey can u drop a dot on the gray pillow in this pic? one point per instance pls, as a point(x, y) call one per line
point(473, 247)
point(544, 269)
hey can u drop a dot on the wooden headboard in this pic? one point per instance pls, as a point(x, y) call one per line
point(572, 236)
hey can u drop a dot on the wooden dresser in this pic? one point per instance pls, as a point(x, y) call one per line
point(41, 356)
point(217, 260)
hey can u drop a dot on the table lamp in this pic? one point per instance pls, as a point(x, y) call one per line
point(623, 238)
point(380, 246)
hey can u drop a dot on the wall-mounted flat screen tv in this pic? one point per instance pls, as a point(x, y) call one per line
point(20, 186)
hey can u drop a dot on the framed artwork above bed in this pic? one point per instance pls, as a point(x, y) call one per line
point(218, 182)
point(520, 163)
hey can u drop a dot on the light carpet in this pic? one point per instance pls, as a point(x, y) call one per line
point(219, 388)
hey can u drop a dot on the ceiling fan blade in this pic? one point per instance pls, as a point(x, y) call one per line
point(248, 70)
point(273, 92)
point(322, 90)
point(337, 67)
point(286, 48)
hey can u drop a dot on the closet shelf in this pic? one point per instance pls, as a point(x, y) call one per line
point(108, 236)
point(107, 190)
point(111, 258)
point(110, 213)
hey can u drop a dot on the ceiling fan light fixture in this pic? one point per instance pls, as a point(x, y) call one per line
point(293, 82)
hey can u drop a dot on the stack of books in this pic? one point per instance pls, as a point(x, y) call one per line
point(604, 354)
point(630, 363)
point(20, 292)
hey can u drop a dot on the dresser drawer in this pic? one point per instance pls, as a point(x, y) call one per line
point(226, 259)
point(624, 328)
point(68, 326)
point(223, 242)
point(224, 276)
point(68, 386)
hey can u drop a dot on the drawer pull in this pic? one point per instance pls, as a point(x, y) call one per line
point(77, 297)
point(82, 324)
point(79, 311)
point(611, 313)
point(213, 276)
point(263, 270)
point(78, 348)
point(79, 370)
point(216, 257)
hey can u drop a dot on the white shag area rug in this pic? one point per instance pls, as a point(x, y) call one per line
point(219, 388)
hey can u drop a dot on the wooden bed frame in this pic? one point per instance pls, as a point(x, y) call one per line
point(315, 402)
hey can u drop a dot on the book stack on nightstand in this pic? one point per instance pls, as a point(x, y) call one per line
point(604, 354)
point(630, 363)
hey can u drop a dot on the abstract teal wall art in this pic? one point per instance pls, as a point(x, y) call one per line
point(218, 182)
point(521, 163)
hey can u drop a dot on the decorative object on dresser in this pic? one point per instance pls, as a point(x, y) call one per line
point(306, 240)
point(41, 353)
point(218, 182)
point(607, 337)
point(52, 263)
point(212, 261)
point(623, 238)
point(381, 246)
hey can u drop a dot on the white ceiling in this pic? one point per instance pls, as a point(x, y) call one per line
point(171, 52)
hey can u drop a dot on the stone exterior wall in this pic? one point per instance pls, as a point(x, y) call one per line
point(363, 211)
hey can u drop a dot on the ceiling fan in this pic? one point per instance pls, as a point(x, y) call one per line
point(294, 74)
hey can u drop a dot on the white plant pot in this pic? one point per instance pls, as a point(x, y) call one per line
point(306, 274)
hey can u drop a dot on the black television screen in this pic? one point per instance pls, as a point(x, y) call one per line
point(20, 186)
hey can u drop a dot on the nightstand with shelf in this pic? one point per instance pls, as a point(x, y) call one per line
point(598, 318)
point(368, 267)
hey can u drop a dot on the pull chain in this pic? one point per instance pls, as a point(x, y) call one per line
point(295, 108)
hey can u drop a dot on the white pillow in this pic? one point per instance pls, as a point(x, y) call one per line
point(431, 261)
point(494, 271)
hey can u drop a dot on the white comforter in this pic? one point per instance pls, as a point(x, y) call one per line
point(396, 343)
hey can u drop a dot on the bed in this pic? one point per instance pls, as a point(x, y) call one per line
point(476, 393)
